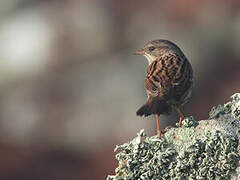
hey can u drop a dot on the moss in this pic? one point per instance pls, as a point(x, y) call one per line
point(199, 150)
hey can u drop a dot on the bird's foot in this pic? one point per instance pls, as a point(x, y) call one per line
point(160, 133)
point(180, 121)
point(165, 129)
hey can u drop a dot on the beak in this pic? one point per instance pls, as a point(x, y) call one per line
point(140, 52)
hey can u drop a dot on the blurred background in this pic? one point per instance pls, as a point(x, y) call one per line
point(70, 84)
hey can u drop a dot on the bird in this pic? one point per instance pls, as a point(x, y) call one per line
point(168, 81)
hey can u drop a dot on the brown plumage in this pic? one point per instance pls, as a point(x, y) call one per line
point(168, 81)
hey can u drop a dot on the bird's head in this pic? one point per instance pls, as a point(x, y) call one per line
point(157, 48)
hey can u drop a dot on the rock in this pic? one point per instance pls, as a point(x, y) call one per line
point(208, 149)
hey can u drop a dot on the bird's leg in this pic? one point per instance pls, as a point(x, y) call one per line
point(181, 116)
point(158, 127)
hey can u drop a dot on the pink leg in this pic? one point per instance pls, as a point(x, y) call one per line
point(181, 116)
point(158, 127)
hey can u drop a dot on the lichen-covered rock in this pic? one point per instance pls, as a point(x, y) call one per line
point(208, 149)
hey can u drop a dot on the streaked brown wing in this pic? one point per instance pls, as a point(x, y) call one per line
point(152, 87)
point(160, 74)
point(183, 82)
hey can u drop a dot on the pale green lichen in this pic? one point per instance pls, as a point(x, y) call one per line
point(232, 107)
point(198, 150)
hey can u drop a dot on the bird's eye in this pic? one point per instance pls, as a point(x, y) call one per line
point(151, 48)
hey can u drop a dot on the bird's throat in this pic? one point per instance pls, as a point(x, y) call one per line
point(150, 58)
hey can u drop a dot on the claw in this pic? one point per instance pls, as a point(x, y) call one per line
point(165, 129)
point(180, 121)
point(181, 116)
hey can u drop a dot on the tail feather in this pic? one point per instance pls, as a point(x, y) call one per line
point(144, 110)
point(154, 105)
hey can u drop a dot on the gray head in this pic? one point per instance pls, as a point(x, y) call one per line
point(158, 48)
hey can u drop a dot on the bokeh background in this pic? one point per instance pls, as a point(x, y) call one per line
point(70, 84)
